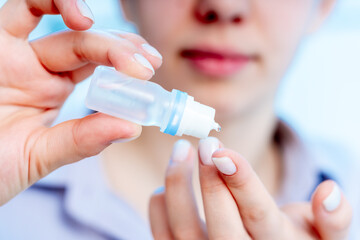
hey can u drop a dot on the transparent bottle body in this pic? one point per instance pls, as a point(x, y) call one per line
point(142, 102)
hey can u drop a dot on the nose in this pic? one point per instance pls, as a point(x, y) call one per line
point(225, 11)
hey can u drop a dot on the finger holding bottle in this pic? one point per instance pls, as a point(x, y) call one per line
point(20, 17)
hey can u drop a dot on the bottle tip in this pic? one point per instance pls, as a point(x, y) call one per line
point(217, 127)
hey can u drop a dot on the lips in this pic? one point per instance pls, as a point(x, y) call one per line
point(217, 64)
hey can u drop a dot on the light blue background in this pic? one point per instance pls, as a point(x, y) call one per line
point(321, 92)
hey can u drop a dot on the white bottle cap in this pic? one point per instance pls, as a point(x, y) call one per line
point(197, 120)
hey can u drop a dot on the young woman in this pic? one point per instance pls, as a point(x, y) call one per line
point(230, 55)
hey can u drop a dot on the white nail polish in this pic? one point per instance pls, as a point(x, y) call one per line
point(225, 165)
point(143, 61)
point(85, 10)
point(180, 151)
point(207, 147)
point(151, 50)
point(333, 201)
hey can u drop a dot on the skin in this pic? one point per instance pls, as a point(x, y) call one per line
point(238, 206)
point(244, 103)
point(37, 77)
point(36, 83)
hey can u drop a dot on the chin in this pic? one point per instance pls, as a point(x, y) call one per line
point(226, 108)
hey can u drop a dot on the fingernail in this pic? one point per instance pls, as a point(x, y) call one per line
point(207, 147)
point(225, 165)
point(333, 200)
point(85, 10)
point(143, 61)
point(159, 190)
point(180, 151)
point(151, 50)
point(124, 140)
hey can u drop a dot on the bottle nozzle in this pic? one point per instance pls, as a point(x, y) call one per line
point(217, 127)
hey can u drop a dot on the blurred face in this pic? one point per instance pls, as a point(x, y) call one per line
point(229, 54)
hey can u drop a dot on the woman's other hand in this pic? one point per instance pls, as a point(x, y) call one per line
point(236, 203)
point(36, 78)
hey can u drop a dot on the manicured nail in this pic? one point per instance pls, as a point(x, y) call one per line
point(207, 147)
point(85, 10)
point(151, 50)
point(225, 165)
point(143, 61)
point(333, 201)
point(180, 151)
point(159, 190)
point(124, 140)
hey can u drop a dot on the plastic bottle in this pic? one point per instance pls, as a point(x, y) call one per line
point(148, 104)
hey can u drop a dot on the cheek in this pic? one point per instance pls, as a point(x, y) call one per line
point(287, 24)
point(282, 30)
point(161, 20)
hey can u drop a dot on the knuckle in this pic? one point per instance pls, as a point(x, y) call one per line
point(57, 93)
point(76, 138)
point(78, 41)
point(212, 187)
point(237, 182)
point(254, 214)
point(125, 43)
point(174, 177)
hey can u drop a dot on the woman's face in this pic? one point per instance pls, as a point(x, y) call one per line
point(229, 54)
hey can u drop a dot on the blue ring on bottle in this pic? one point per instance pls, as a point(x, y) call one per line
point(177, 113)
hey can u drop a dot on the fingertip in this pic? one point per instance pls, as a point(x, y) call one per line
point(225, 165)
point(144, 62)
point(132, 64)
point(150, 52)
point(219, 152)
point(127, 130)
point(327, 196)
point(81, 24)
point(76, 14)
point(110, 128)
point(233, 166)
point(153, 55)
point(207, 147)
point(236, 157)
point(331, 210)
point(181, 151)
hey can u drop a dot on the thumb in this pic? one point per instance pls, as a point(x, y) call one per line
point(332, 212)
point(74, 140)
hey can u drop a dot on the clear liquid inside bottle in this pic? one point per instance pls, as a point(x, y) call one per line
point(116, 94)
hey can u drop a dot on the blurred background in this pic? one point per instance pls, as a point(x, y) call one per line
point(320, 94)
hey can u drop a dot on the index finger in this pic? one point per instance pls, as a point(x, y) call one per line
point(20, 17)
point(259, 212)
point(222, 216)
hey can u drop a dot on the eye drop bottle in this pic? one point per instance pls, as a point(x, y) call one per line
point(148, 104)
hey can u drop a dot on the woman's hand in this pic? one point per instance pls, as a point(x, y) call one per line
point(37, 77)
point(236, 203)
